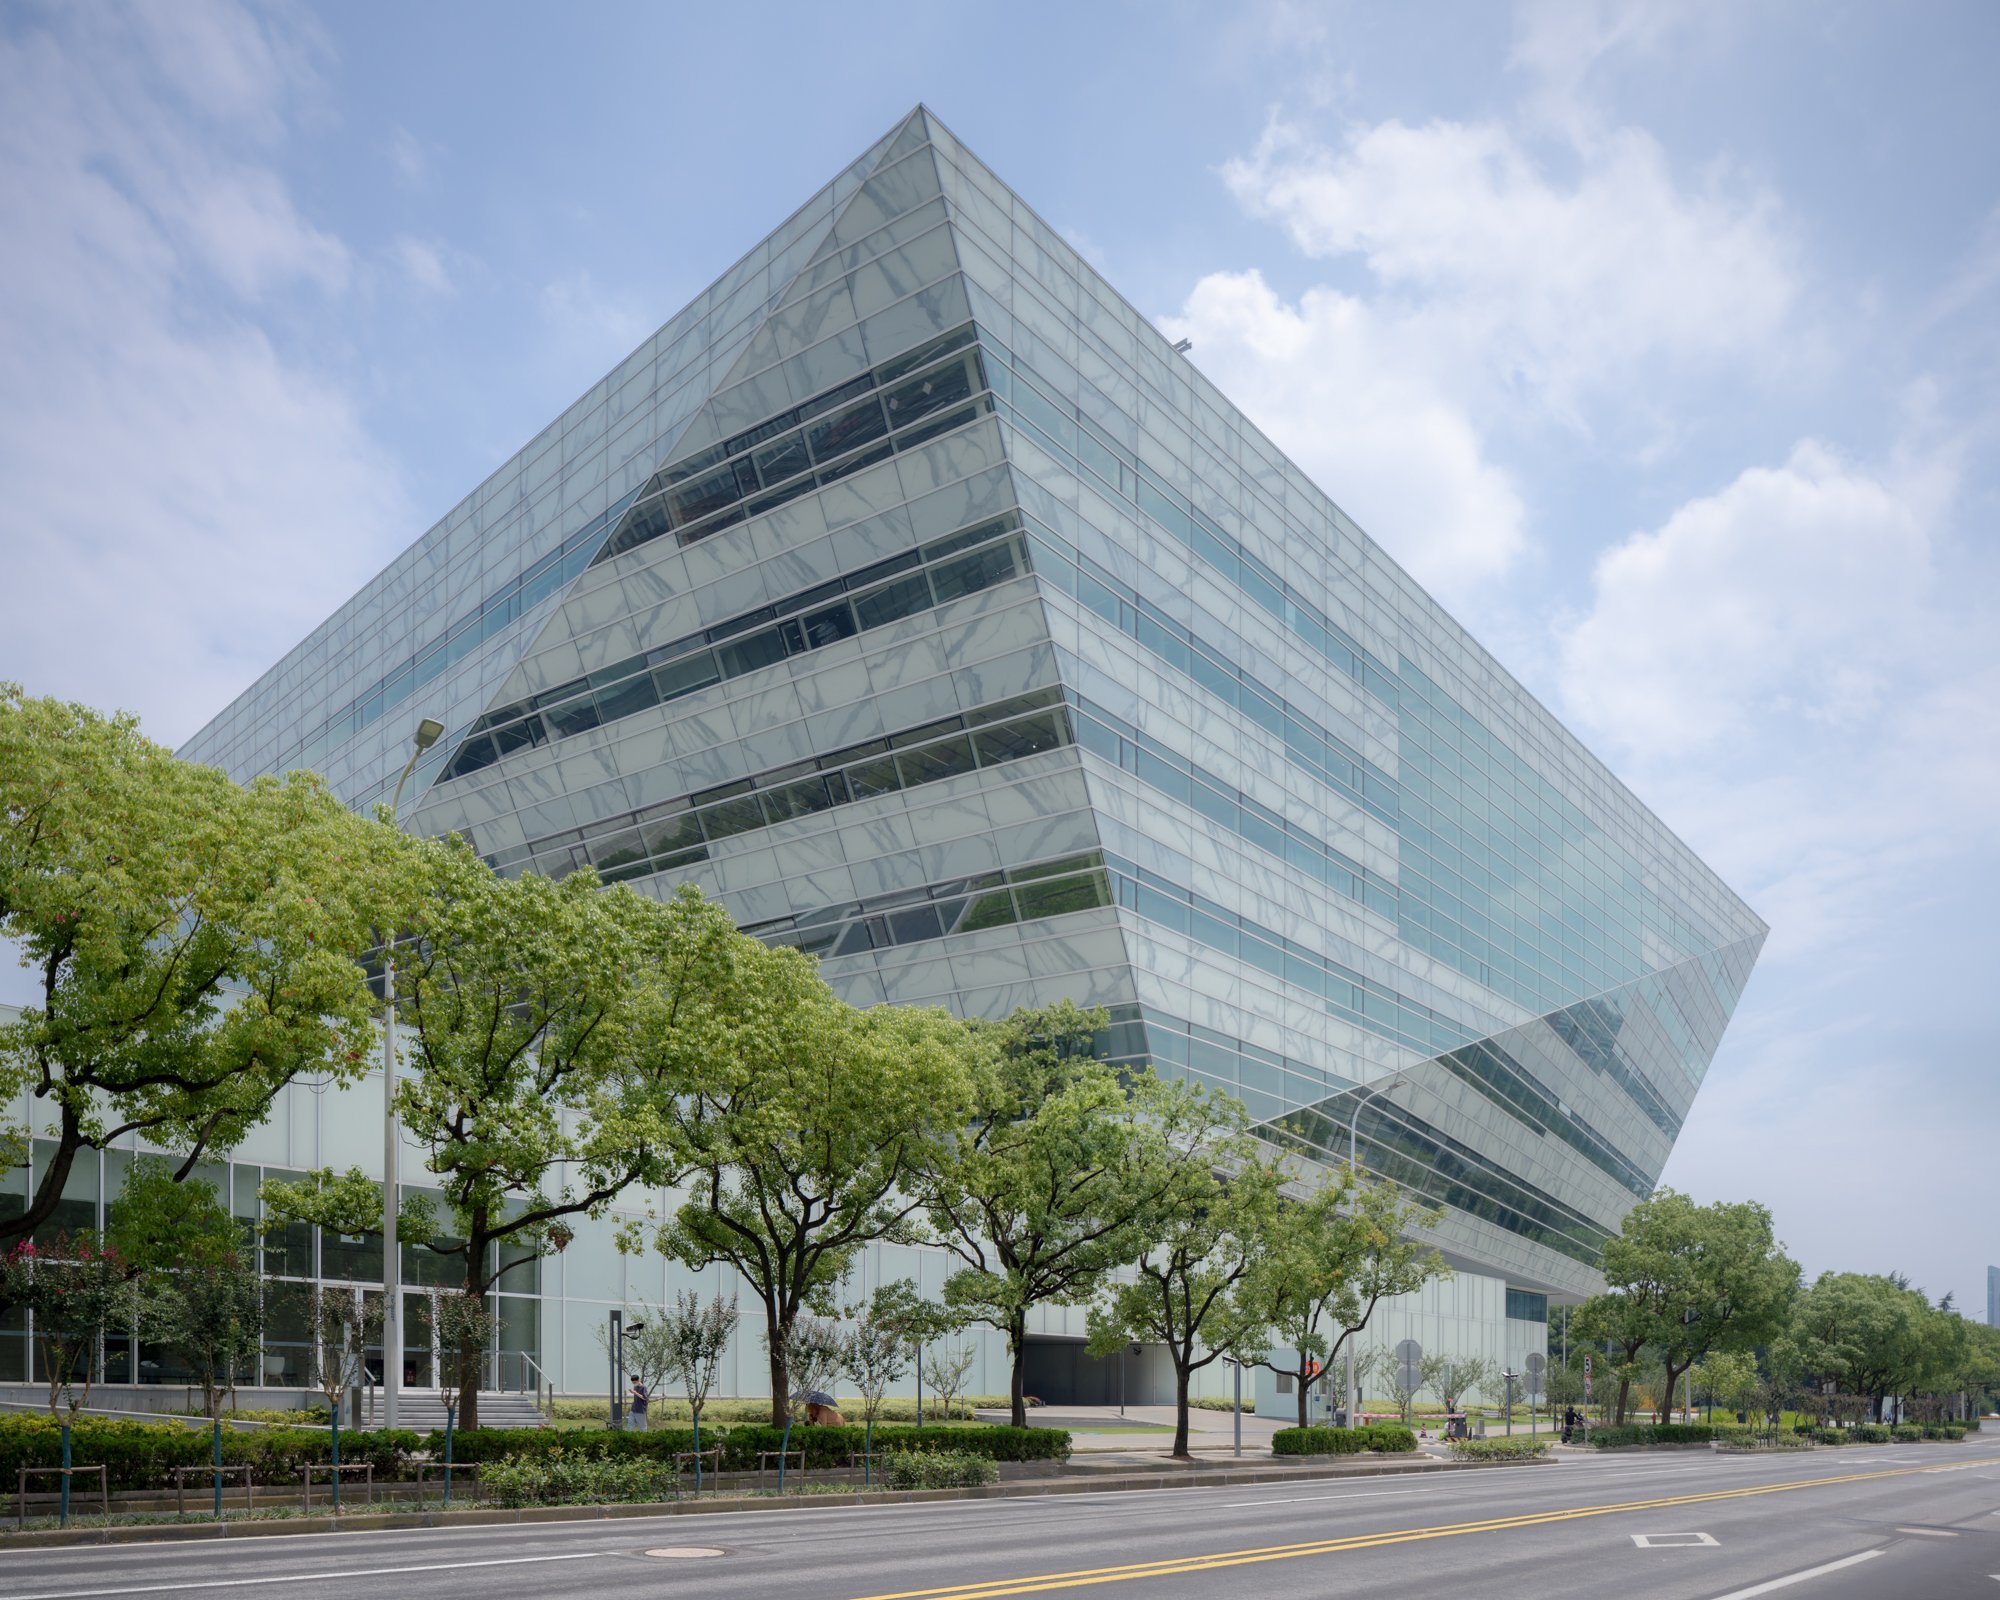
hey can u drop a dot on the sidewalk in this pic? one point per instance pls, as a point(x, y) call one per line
point(1148, 1430)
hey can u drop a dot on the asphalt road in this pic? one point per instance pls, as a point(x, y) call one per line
point(1909, 1522)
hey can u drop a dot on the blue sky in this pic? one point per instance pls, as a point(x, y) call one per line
point(1661, 341)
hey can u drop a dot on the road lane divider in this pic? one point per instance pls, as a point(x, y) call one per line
point(1182, 1566)
point(185, 1584)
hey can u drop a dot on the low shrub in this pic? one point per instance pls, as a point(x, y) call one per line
point(1502, 1448)
point(1386, 1437)
point(1906, 1434)
point(938, 1469)
point(1829, 1436)
point(565, 1478)
point(831, 1447)
point(1941, 1430)
point(1652, 1435)
point(1871, 1433)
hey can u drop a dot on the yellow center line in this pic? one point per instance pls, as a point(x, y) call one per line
point(1175, 1566)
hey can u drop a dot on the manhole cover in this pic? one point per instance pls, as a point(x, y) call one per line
point(684, 1552)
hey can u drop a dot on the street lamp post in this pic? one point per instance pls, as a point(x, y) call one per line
point(1348, 1397)
point(427, 734)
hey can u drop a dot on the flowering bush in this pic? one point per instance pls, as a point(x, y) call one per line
point(78, 1290)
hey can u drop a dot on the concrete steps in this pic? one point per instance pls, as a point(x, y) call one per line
point(424, 1412)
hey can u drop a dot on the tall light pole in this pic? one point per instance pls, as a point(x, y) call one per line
point(427, 734)
point(1348, 1397)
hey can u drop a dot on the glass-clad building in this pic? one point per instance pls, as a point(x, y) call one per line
point(912, 594)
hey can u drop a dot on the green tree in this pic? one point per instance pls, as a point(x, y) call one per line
point(1699, 1278)
point(805, 1133)
point(918, 1321)
point(1455, 1378)
point(648, 1351)
point(1726, 1378)
point(544, 1022)
point(873, 1355)
point(1046, 1189)
point(195, 944)
point(1620, 1323)
point(1329, 1260)
point(213, 1313)
point(1863, 1333)
point(696, 1334)
point(465, 1329)
point(946, 1369)
point(1211, 1211)
point(158, 1221)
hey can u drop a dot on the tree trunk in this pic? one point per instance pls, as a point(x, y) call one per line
point(1181, 1451)
point(1305, 1387)
point(1017, 1394)
point(49, 1190)
point(476, 1245)
point(1624, 1391)
point(781, 1381)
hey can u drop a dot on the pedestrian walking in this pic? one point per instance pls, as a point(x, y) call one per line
point(635, 1413)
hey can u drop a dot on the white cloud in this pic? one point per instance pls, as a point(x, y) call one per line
point(422, 263)
point(1337, 388)
point(184, 499)
point(1793, 590)
point(409, 159)
point(1552, 287)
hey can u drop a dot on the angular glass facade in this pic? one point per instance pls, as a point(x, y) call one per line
point(910, 593)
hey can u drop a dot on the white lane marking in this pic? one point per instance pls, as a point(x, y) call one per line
point(1928, 1533)
point(1676, 1541)
point(1799, 1577)
point(309, 1577)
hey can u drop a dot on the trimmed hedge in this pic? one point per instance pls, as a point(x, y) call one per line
point(140, 1454)
point(1386, 1437)
point(1502, 1448)
point(823, 1447)
point(830, 1447)
point(1646, 1435)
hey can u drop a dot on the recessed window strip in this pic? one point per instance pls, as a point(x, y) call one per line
point(896, 406)
point(920, 580)
point(938, 910)
point(678, 833)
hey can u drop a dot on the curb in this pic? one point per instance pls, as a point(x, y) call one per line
point(376, 1522)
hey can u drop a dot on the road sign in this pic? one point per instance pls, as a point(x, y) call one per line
point(1537, 1364)
point(1586, 1374)
point(1409, 1366)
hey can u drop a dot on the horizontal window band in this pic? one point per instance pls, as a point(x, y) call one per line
point(895, 406)
point(935, 911)
point(963, 563)
point(678, 833)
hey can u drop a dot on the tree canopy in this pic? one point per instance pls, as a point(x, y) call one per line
point(196, 944)
point(805, 1134)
